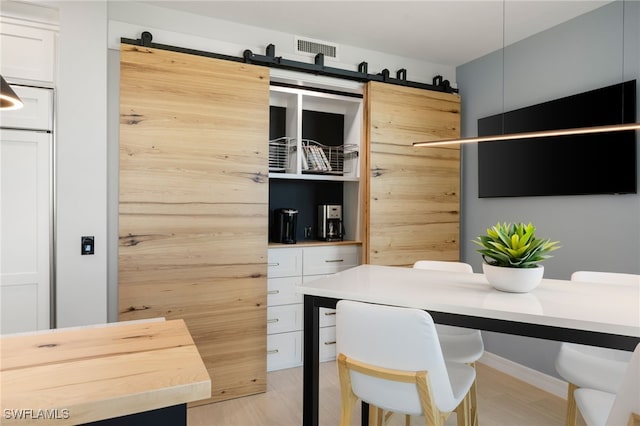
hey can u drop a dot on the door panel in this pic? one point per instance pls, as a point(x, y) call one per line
point(413, 201)
point(193, 206)
point(25, 230)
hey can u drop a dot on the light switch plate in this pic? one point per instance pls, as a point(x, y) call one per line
point(87, 245)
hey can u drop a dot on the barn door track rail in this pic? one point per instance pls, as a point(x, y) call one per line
point(269, 59)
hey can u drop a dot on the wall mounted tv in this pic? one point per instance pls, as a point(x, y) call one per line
point(603, 163)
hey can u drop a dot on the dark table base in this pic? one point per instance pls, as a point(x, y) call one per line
point(170, 416)
point(311, 347)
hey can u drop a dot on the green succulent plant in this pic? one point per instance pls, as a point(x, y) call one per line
point(514, 245)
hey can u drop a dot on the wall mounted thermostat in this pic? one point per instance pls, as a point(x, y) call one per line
point(87, 246)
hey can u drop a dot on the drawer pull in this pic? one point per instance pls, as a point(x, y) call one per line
point(334, 260)
point(273, 264)
point(330, 343)
point(273, 292)
point(329, 313)
point(273, 351)
point(272, 321)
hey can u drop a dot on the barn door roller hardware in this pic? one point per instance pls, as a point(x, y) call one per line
point(271, 60)
point(317, 67)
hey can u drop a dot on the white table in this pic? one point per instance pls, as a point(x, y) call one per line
point(606, 315)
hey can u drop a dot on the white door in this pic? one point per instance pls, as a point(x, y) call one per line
point(25, 212)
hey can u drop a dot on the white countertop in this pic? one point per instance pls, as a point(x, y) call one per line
point(606, 308)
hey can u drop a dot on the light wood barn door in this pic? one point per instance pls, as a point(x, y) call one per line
point(194, 206)
point(412, 210)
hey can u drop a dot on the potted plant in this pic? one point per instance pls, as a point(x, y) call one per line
point(511, 253)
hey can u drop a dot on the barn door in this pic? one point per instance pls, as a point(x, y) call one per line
point(193, 205)
point(413, 202)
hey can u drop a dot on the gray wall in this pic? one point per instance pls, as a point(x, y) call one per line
point(597, 232)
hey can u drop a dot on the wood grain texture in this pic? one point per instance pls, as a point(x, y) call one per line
point(194, 206)
point(101, 372)
point(412, 194)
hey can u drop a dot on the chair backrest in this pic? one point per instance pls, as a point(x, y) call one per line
point(628, 396)
point(394, 338)
point(442, 265)
point(605, 277)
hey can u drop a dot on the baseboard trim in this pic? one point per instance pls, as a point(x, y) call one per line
point(535, 378)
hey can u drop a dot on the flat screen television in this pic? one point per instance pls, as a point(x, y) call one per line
point(601, 163)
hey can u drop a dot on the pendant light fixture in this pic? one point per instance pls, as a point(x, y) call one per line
point(542, 133)
point(8, 98)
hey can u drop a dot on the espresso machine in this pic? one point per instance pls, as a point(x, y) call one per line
point(284, 226)
point(330, 222)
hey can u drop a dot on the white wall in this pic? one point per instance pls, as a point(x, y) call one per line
point(81, 162)
point(129, 19)
point(597, 232)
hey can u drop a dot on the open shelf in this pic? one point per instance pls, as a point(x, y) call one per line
point(322, 131)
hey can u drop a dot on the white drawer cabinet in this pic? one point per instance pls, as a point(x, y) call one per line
point(284, 350)
point(327, 317)
point(329, 259)
point(318, 262)
point(27, 53)
point(289, 267)
point(281, 319)
point(284, 308)
point(327, 344)
point(284, 262)
point(281, 291)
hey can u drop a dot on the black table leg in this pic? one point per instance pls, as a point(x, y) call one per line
point(365, 414)
point(311, 362)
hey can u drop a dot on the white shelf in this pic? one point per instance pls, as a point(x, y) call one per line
point(309, 176)
point(289, 161)
point(295, 101)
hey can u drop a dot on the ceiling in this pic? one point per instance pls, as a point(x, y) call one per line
point(449, 32)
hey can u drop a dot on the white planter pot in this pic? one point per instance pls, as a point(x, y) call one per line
point(513, 280)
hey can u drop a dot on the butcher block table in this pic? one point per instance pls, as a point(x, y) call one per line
point(129, 373)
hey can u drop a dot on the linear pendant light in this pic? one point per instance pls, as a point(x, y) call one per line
point(531, 135)
point(8, 98)
point(536, 134)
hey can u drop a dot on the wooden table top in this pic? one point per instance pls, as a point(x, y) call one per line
point(80, 375)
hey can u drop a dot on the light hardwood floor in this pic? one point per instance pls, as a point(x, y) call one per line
point(502, 401)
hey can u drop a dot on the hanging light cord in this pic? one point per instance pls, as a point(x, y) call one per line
point(634, 125)
point(622, 77)
point(504, 24)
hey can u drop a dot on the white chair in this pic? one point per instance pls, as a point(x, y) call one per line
point(588, 366)
point(458, 344)
point(622, 408)
point(390, 357)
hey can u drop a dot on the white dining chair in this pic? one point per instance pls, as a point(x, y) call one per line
point(599, 408)
point(589, 366)
point(390, 357)
point(459, 344)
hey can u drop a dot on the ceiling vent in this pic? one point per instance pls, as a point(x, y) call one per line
point(310, 47)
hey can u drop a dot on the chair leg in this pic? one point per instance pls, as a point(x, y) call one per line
point(379, 417)
point(473, 404)
point(572, 409)
point(407, 420)
point(348, 398)
point(463, 410)
point(346, 411)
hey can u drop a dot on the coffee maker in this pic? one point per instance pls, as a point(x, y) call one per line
point(330, 222)
point(284, 225)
